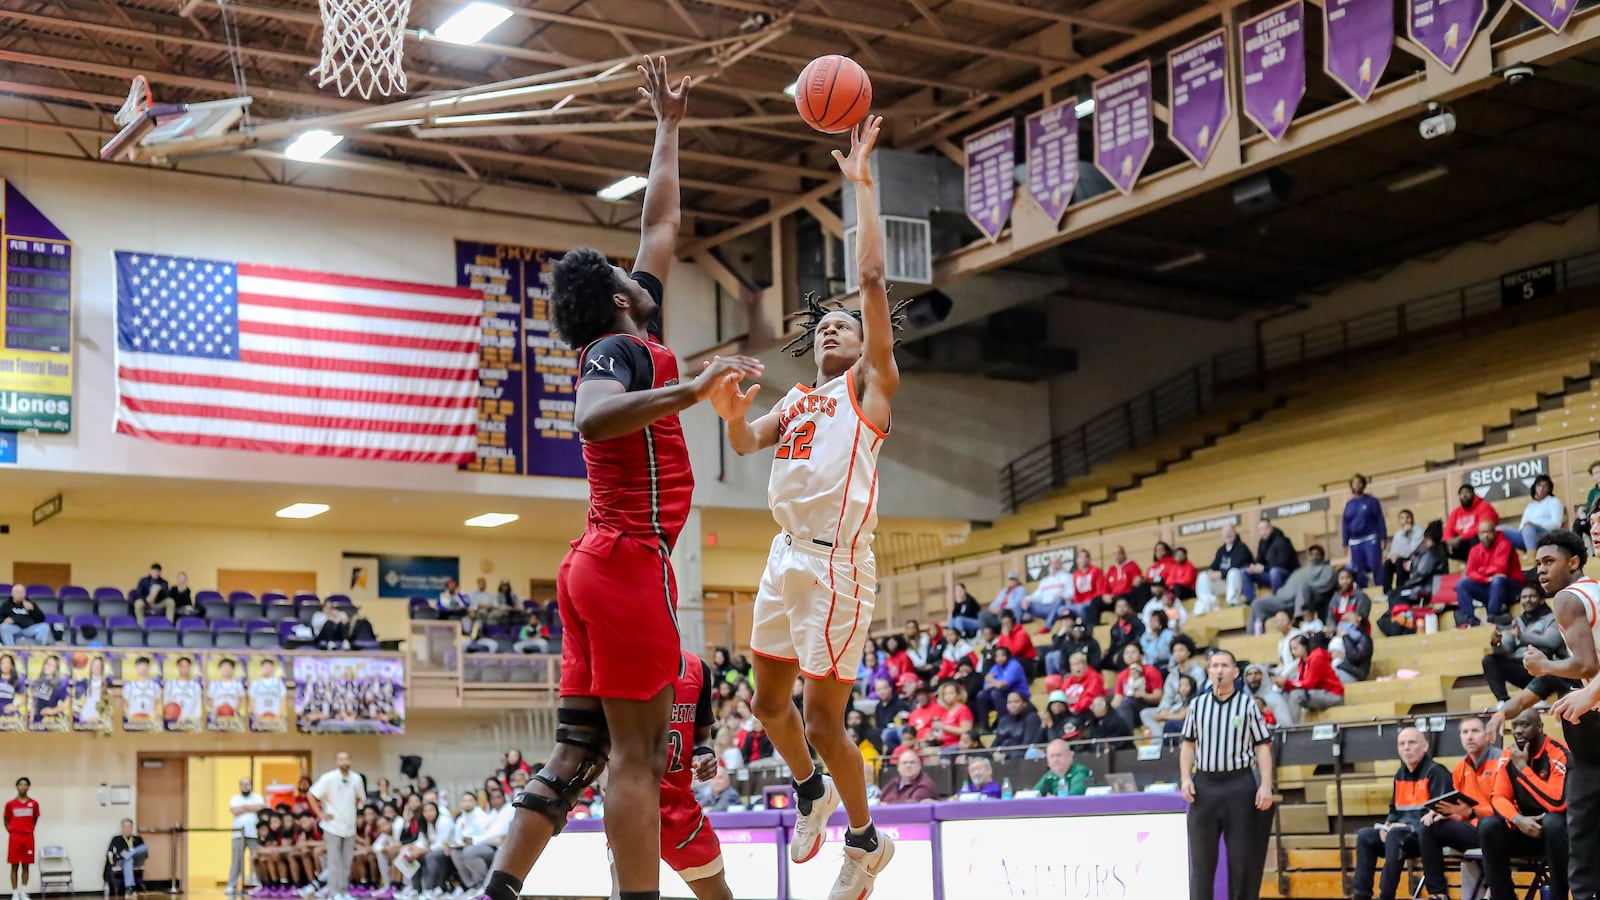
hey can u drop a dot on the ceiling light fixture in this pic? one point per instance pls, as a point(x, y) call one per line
point(1416, 179)
point(625, 187)
point(472, 22)
point(311, 146)
point(491, 520)
point(1084, 109)
point(1178, 262)
point(302, 510)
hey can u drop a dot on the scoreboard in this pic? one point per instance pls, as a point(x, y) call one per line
point(36, 327)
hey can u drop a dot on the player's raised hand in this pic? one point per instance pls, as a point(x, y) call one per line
point(857, 166)
point(725, 370)
point(705, 766)
point(668, 101)
point(730, 402)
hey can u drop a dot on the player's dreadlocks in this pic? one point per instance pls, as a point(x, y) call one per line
point(814, 309)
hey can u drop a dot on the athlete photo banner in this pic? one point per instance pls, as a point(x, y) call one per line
point(991, 156)
point(49, 692)
point(36, 346)
point(526, 372)
point(1124, 133)
point(181, 694)
point(267, 693)
point(1053, 157)
point(225, 693)
point(141, 690)
point(338, 694)
point(1197, 82)
point(1444, 29)
point(1274, 55)
point(91, 692)
point(13, 692)
point(1357, 39)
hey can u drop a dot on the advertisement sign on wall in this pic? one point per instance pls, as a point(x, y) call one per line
point(372, 576)
point(1141, 857)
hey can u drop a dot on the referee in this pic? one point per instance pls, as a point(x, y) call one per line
point(1223, 734)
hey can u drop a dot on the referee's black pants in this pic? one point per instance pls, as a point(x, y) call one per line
point(1583, 806)
point(1225, 807)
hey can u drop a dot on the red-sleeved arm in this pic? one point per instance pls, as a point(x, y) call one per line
point(1501, 798)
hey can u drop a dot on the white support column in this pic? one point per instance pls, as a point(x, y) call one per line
point(686, 558)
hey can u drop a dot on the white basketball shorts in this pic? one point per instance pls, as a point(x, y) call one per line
point(814, 606)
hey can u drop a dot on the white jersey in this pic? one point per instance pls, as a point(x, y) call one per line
point(226, 693)
point(140, 698)
point(186, 693)
point(1588, 591)
point(824, 485)
point(266, 696)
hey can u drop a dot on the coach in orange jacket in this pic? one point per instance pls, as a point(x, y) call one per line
point(1530, 808)
point(1456, 825)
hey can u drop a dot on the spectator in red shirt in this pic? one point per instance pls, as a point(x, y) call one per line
point(1089, 591)
point(896, 658)
point(954, 716)
point(1159, 571)
point(1181, 574)
point(1314, 685)
point(919, 723)
point(1492, 578)
point(1081, 685)
point(1123, 575)
point(753, 742)
point(1138, 686)
point(1462, 527)
point(1015, 638)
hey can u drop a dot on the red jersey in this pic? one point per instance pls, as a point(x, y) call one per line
point(639, 484)
point(1119, 578)
point(1087, 584)
point(691, 711)
point(22, 816)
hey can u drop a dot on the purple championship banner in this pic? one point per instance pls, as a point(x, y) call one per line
point(1053, 157)
point(1123, 133)
point(1444, 29)
point(991, 176)
point(526, 372)
point(1357, 38)
point(1274, 66)
point(1552, 14)
point(1197, 82)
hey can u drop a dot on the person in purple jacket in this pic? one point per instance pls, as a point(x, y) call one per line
point(980, 779)
point(1364, 531)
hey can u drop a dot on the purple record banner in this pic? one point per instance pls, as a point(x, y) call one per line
point(1357, 38)
point(1197, 82)
point(1274, 58)
point(1552, 14)
point(1053, 157)
point(1444, 29)
point(1124, 133)
point(991, 176)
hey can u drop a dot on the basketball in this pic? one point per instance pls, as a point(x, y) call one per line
point(833, 93)
point(224, 711)
point(172, 712)
point(80, 660)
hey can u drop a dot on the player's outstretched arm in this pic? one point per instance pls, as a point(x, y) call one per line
point(607, 409)
point(661, 215)
point(879, 373)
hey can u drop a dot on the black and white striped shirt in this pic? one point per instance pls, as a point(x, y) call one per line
point(1225, 732)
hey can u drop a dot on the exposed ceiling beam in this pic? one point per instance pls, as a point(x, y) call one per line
point(1063, 17)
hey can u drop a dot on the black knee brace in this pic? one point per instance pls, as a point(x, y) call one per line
point(583, 728)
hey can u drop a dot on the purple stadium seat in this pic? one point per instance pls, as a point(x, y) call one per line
point(81, 622)
point(274, 597)
point(307, 597)
point(213, 596)
point(77, 606)
point(112, 606)
point(41, 590)
point(226, 625)
point(188, 623)
point(122, 622)
point(72, 590)
point(105, 593)
point(215, 609)
point(237, 596)
point(423, 608)
point(340, 600)
point(160, 623)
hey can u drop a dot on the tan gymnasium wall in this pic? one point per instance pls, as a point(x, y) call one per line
point(116, 554)
point(68, 769)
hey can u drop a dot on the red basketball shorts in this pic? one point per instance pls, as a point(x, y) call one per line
point(688, 844)
point(20, 849)
point(619, 617)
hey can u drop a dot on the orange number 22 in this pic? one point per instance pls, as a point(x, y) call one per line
point(798, 444)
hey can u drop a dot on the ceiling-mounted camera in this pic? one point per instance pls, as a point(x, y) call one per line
point(1440, 122)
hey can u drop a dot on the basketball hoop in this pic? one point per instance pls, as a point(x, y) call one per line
point(139, 100)
point(362, 42)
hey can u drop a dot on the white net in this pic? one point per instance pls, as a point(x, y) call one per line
point(138, 101)
point(362, 45)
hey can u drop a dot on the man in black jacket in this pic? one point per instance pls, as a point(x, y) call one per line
point(1397, 838)
point(1018, 724)
point(1275, 557)
point(124, 859)
point(1228, 572)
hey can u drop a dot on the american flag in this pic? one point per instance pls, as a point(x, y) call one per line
point(247, 357)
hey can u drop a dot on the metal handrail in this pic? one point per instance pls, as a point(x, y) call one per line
point(1449, 315)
